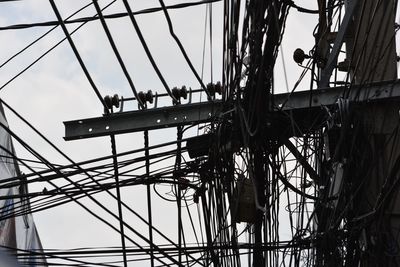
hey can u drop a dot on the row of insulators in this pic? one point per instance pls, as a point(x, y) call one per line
point(178, 93)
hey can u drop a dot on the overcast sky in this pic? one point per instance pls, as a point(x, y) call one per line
point(56, 90)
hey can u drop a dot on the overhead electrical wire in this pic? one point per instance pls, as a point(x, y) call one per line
point(74, 164)
point(77, 55)
point(242, 149)
point(44, 54)
point(147, 50)
point(42, 36)
point(116, 52)
point(182, 49)
point(89, 196)
point(108, 16)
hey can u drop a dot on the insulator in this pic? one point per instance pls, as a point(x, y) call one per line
point(218, 88)
point(142, 97)
point(211, 89)
point(176, 93)
point(180, 93)
point(299, 56)
point(184, 92)
point(108, 101)
point(149, 96)
point(115, 101)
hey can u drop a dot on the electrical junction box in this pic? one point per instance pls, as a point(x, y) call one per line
point(244, 202)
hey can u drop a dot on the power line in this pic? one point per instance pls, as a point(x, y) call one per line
point(116, 52)
point(44, 54)
point(182, 49)
point(77, 55)
point(147, 50)
point(109, 16)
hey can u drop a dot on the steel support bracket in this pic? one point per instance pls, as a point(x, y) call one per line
point(189, 114)
point(150, 119)
point(386, 90)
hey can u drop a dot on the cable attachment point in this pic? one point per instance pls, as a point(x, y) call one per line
point(299, 56)
point(111, 101)
point(214, 88)
point(146, 97)
point(180, 93)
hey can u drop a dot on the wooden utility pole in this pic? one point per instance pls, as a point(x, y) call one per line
point(372, 58)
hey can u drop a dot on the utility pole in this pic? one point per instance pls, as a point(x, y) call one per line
point(369, 164)
point(372, 58)
point(366, 158)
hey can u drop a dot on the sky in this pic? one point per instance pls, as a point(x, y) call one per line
point(56, 90)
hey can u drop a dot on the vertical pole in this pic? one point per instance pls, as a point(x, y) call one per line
point(372, 48)
point(372, 54)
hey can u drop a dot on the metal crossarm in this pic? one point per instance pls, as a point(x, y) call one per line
point(150, 119)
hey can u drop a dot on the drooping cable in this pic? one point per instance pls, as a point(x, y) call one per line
point(147, 50)
point(116, 52)
point(77, 55)
point(41, 37)
point(108, 16)
point(47, 52)
point(178, 42)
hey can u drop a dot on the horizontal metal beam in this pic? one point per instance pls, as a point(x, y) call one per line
point(188, 114)
point(325, 97)
point(150, 119)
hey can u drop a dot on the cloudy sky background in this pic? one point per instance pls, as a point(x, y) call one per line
point(56, 90)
